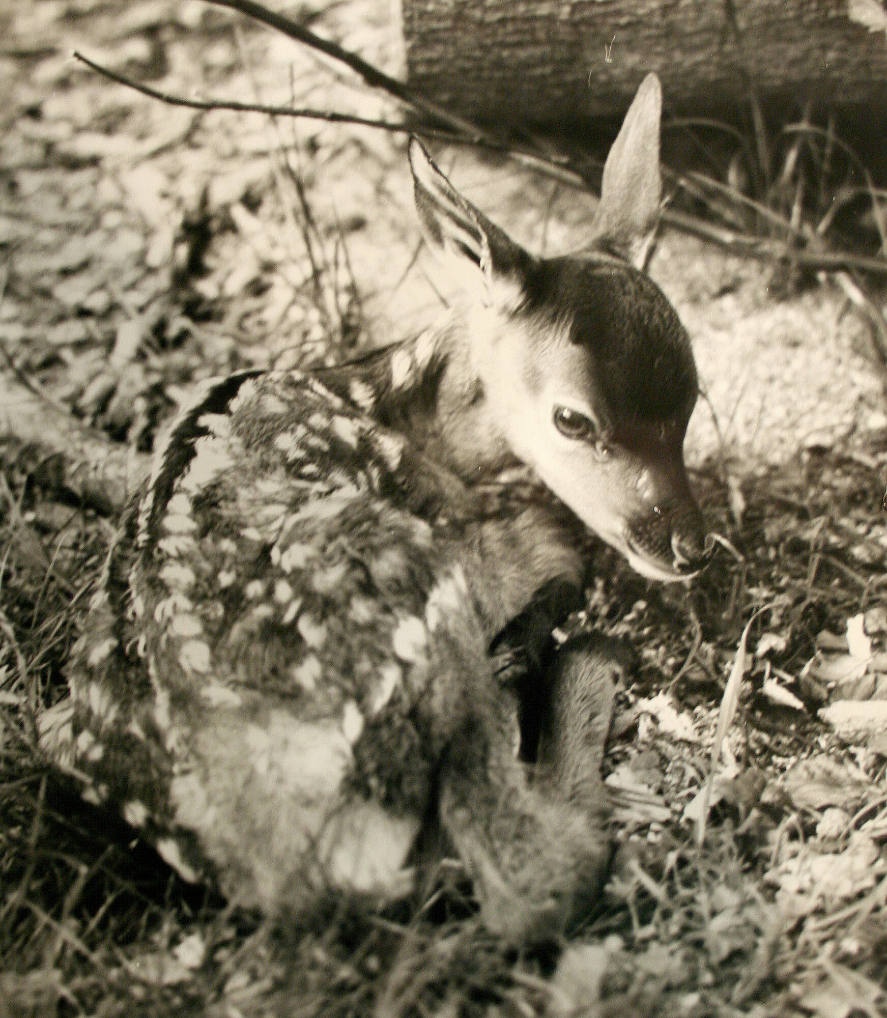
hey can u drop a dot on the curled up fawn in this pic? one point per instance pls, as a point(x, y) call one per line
point(288, 671)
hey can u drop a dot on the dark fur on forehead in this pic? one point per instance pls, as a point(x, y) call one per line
point(641, 357)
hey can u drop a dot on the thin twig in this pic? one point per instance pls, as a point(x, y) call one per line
point(241, 107)
point(370, 74)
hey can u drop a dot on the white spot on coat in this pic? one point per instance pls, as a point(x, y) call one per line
point(423, 349)
point(177, 576)
point(352, 722)
point(327, 581)
point(313, 633)
point(445, 598)
point(347, 429)
point(186, 625)
point(212, 457)
point(307, 673)
point(283, 592)
point(179, 505)
point(390, 677)
point(401, 368)
point(294, 556)
point(364, 848)
point(410, 639)
point(84, 742)
point(391, 448)
point(100, 702)
point(362, 394)
point(100, 651)
point(177, 545)
point(95, 795)
point(194, 656)
point(218, 695)
point(362, 609)
point(318, 421)
point(288, 443)
point(176, 524)
point(169, 607)
point(162, 716)
point(273, 405)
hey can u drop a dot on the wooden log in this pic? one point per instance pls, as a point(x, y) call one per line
point(68, 455)
point(556, 61)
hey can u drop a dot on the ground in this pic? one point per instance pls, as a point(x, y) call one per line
point(146, 247)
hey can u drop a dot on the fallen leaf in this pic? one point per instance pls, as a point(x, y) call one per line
point(839, 668)
point(779, 694)
point(768, 642)
point(669, 720)
point(833, 824)
point(853, 719)
point(835, 991)
point(858, 643)
point(821, 781)
point(810, 879)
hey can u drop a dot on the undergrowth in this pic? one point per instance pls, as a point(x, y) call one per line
point(92, 922)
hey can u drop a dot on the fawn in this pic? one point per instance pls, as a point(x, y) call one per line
point(287, 672)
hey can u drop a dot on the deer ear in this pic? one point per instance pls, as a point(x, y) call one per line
point(474, 248)
point(628, 212)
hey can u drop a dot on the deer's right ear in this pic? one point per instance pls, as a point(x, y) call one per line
point(628, 212)
point(475, 249)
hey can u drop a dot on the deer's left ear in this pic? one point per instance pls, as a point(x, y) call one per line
point(631, 190)
point(474, 248)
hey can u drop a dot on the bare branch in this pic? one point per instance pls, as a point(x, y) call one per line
point(240, 107)
point(370, 74)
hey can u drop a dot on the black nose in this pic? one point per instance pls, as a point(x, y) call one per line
point(690, 546)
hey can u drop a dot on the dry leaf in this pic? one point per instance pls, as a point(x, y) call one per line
point(670, 721)
point(768, 642)
point(822, 781)
point(779, 694)
point(853, 719)
point(809, 879)
point(838, 992)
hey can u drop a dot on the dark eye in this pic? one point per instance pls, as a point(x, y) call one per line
point(572, 424)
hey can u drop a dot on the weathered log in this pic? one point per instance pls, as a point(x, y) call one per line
point(67, 454)
point(555, 61)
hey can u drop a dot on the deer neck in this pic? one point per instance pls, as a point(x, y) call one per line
point(428, 389)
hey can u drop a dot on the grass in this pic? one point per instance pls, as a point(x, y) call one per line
point(92, 922)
